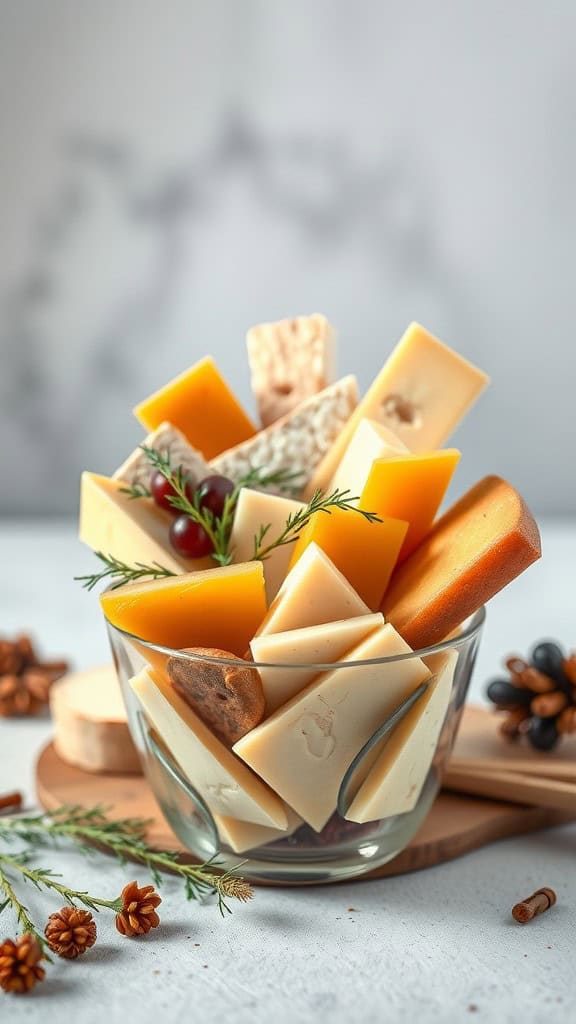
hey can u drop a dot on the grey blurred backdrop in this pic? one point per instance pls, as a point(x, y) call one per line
point(173, 172)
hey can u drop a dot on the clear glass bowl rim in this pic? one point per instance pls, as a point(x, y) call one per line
point(471, 629)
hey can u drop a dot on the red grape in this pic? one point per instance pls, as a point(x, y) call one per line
point(189, 538)
point(213, 491)
point(162, 490)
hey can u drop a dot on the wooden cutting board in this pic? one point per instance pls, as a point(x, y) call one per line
point(456, 824)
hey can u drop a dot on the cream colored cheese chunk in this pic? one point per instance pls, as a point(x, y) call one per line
point(421, 393)
point(313, 592)
point(133, 530)
point(256, 509)
point(395, 782)
point(304, 749)
point(312, 645)
point(167, 440)
point(299, 441)
point(289, 361)
point(371, 440)
point(241, 835)
point(226, 785)
point(90, 725)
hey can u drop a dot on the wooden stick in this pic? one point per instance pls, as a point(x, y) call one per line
point(513, 787)
point(10, 801)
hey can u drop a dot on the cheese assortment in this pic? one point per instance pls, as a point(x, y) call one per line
point(281, 585)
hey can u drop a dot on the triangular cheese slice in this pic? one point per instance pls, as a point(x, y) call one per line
point(132, 530)
point(226, 785)
point(307, 647)
point(313, 592)
point(395, 781)
point(304, 749)
point(241, 836)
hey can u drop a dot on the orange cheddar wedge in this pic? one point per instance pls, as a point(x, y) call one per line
point(219, 607)
point(201, 405)
point(478, 546)
point(364, 552)
point(410, 487)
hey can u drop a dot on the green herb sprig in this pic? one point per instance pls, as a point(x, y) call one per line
point(296, 521)
point(218, 528)
point(120, 572)
point(125, 838)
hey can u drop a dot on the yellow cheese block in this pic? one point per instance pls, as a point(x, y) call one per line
point(410, 487)
point(314, 591)
point(370, 440)
point(364, 552)
point(313, 645)
point(254, 510)
point(219, 608)
point(422, 392)
point(218, 776)
point(201, 405)
point(395, 781)
point(304, 749)
point(128, 529)
point(241, 836)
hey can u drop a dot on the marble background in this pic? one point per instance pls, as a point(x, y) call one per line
point(173, 172)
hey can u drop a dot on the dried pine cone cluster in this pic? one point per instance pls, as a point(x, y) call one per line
point(25, 681)
point(70, 932)
point(539, 697)
point(20, 964)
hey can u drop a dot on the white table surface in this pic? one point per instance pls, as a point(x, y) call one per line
point(435, 946)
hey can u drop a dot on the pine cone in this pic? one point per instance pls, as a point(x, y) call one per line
point(539, 697)
point(24, 680)
point(20, 964)
point(138, 914)
point(70, 932)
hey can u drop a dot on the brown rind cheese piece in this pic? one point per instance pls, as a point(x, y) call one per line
point(228, 698)
point(290, 360)
point(474, 550)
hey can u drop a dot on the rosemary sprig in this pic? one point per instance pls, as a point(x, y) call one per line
point(122, 573)
point(126, 840)
point(21, 912)
point(296, 521)
point(47, 879)
point(136, 491)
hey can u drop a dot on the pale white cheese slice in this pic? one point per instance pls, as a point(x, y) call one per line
point(226, 785)
point(167, 440)
point(90, 724)
point(242, 835)
point(299, 441)
point(371, 440)
point(133, 530)
point(310, 646)
point(313, 592)
point(256, 509)
point(395, 781)
point(303, 750)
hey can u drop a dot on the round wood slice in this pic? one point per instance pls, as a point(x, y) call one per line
point(455, 825)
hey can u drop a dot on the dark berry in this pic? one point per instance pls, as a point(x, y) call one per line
point(212, 493)
point(189, 538)
point(542, 733)
point(548, 658)
point(503, 693)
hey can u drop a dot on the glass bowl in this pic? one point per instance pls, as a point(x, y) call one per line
point(339, 848)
